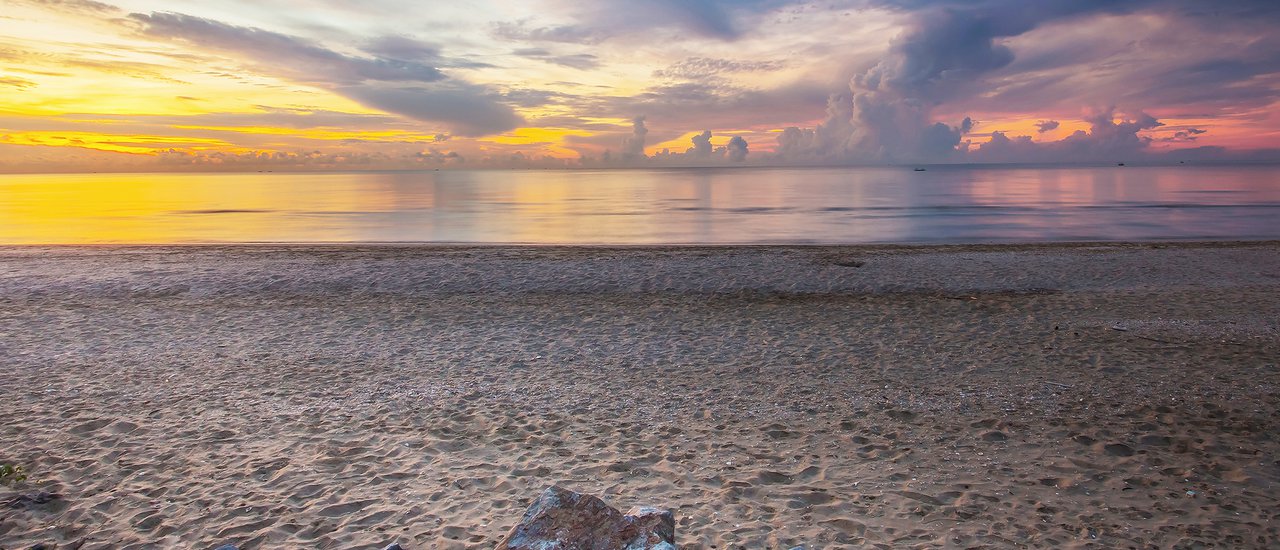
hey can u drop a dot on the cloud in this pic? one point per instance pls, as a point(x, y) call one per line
point(1046, 126)
point(953, 53)
point(701, 146)
point(387, 81)
point(402, 48)
point(408, 50)
point(1109, 139)
point(1186, 135)
point(82, 7)
point(737, 149)
point(737, 67)
point(581, 61)
point(468, 109)
point(633, 145)
point(15, 82)
point(704, 17)
point(693, 68)
point(279, 54)
point(573, 34)
point(597, 21)
point(307, 160)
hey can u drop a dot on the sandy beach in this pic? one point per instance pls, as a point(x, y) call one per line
point(1076, 396)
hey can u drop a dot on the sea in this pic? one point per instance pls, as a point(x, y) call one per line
point(747, 205)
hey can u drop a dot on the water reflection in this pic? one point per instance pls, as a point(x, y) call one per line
point(648, 206)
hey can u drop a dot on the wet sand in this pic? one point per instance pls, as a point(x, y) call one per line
point(1088, 396)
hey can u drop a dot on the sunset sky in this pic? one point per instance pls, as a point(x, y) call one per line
point(394, 84)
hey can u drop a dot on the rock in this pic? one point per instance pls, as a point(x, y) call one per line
point(564, 520)
point(227, 547)
point(393, 546)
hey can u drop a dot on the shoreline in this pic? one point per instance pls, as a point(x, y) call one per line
point(1087, 395)
point(921, 246)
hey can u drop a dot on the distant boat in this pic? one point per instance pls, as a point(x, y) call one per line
point(1119, 164)
point(919, 169)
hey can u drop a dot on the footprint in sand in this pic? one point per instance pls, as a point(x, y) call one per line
point(1118, 449)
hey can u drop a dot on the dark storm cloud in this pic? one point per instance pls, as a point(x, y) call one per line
point(395, 81)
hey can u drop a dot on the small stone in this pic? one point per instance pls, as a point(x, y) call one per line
point(227, 547)
point(561, 518)
point(393, 546)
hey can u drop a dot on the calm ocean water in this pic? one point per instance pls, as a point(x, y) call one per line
point(829, 205)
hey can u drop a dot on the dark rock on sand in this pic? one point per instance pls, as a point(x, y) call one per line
point(227, 547)
point(393, 546)
point(561, 519)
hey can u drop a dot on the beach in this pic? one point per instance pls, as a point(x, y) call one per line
point(350, 396)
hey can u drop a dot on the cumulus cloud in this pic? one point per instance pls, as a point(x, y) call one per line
point(910, 105)
point(702, 152)
point(1109, 139)
point(737, 149)
point(633, 145)
point(942, 57)
point(701, 146)
point(395, 82)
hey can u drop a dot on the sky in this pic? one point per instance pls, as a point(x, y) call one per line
point(396, 84)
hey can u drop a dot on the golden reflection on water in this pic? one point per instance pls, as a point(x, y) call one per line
point(645, 206)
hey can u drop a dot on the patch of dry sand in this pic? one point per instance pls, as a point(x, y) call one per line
point(348, 397)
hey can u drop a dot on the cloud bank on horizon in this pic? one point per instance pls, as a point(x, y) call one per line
point(141, 84)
